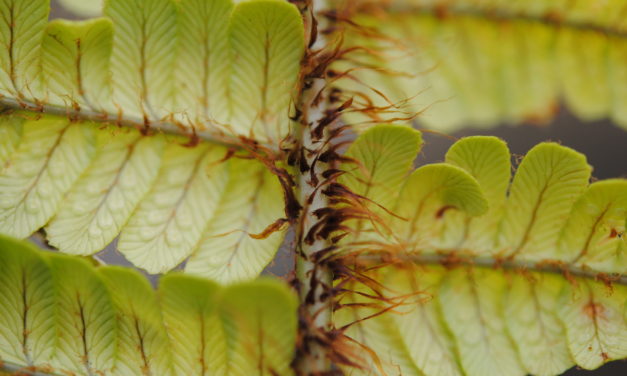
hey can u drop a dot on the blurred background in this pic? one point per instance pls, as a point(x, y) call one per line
point(451, 92)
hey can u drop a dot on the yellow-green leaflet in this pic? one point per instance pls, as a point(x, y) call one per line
point(204, 60)
point(386, 153)
point(50, 157)
point(548, 181)
point(75, 58)
point(85, 320)
point(251, 202)
point(142, 62)
point(428, 193)
point(489, 62)
point(21, 31)
point(139, 321)
point(487, 159)
point(171, 218)
point(62, 315)
point(35, 297)
point(482, 342)
point(383, 158)
point(601, 209)
point(10, 134)
point(267, 41)
point(102, 200)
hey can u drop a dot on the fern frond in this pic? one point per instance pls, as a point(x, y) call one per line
point(488, 277)
point(549, 213)
point(87, 185)
point(61, 315)
point(480, 322)
point(189, 67)
point(482, 64)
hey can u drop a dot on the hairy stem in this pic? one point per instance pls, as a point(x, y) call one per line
point(313, 279)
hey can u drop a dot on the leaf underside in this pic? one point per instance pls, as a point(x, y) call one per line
point(61, 315)
point(485, 63)
point(482, 322)
point(191, 67)
point(85, 185)
point(488, 276)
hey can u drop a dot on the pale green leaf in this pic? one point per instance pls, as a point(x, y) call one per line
point(428, 342)
point(529, 308)
point(409, 340)
point(171, 218)
point(166, 199)
point(260, 335)
point(143, 346)
point(10, 136)
point(549, 214)
point(184, 66)
point(487, 159)
point(592, 236)
point(386, 154)
point(251, 202)
point(382, 158)
point(63, 315)
point(27, 334)
point(22, 26)
point(267, 39)
point(190, 310)
point(52, 155)
point(102, 200)
point(427, 194)
point(589, 101)
point(142, 61)
point(75, 57)
point(595, 323)
point(617, 70)
point(84, 316)
point(163, 64)
point(236, 331)
point(204, 61)
point(471, 306)
point(547, 183)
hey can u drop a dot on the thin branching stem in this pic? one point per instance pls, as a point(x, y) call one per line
point(209, 132)
point(516, 265)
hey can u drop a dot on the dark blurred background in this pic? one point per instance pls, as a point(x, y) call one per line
point(604, 144)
